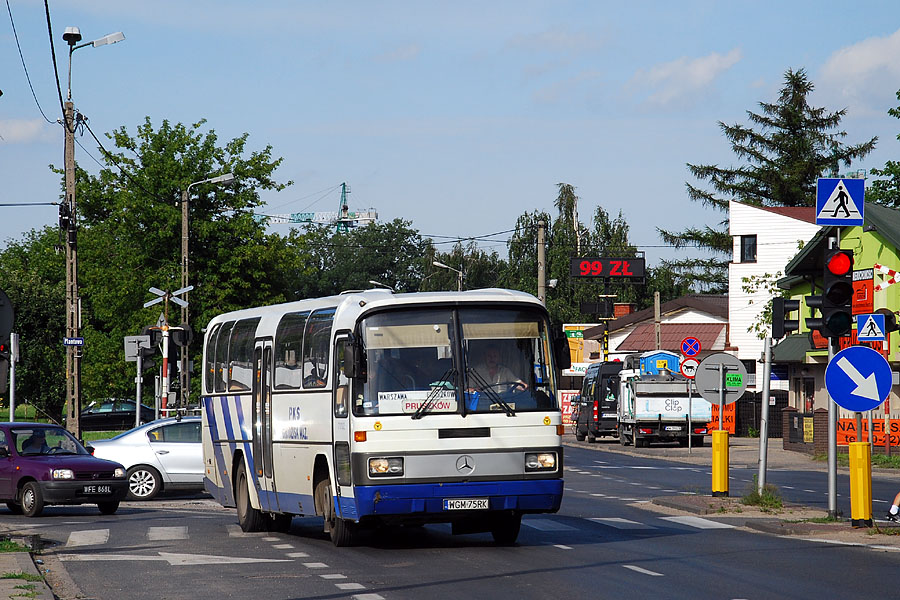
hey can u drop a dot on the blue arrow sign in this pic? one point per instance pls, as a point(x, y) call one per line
point(840, 201)
point(870, 328)
point(858, 378)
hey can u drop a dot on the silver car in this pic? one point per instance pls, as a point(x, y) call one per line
point(165, 454)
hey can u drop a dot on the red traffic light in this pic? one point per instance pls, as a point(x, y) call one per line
point(839, 263)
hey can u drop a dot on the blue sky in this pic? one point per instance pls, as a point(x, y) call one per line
point(457, 116)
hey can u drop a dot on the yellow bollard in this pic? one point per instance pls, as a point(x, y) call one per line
point(720, 462)
point(860, 484)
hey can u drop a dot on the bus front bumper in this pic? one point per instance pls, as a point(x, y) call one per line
point(428, 501)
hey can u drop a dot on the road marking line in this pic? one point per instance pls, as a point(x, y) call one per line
point(350, 586)
point(811, 491)
point(368, 597)
point(644, 571)
point(283, 546)
point(315, 565)
point(547, 525)
point(271, 539)
point(598, 495)
point(88, 537)
point(698, 522)
point(788, 487)
point(621, 523)
point(562, 547)
point(630, 499)
point(333, 576)
point(652, 487)
point(167, 533)
point(297, 555)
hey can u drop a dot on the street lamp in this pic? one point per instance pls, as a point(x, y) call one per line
point(459, 274)
point(226, 179)
point(72, 36)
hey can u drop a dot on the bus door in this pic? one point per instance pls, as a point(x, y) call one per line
point(262, 424)
point(341, 401)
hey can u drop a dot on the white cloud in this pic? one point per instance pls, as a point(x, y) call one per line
point(402, 53)
point(680, 79)
point(559, 90)
point(21, 131)
point(864, 76)
point(556, 41)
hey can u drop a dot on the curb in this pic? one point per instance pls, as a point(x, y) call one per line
point(22, 563)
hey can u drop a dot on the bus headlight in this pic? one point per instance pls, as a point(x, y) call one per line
point(540, 461)
point(385, 467)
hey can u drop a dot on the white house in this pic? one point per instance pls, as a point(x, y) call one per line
point(764, 240)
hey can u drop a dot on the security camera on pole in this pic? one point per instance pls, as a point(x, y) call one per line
point(165, 329)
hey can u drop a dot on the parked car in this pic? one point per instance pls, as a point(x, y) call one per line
point(112, 414)
point(44, 464)
point(162, 455)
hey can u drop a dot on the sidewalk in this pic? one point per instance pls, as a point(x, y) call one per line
point(20, 576)
point(792, 520)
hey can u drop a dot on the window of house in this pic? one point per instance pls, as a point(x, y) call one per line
point(748, 248)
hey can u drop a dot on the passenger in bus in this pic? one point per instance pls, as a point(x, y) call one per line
point(491, 373)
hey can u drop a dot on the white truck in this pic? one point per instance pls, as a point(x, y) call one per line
point(654, 407)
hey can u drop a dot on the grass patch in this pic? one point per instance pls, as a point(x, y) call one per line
point(90, 436)
point(22, 575)
point(11, 546)
point(843, 460)
point(889, 462)
point(767, 500)
point(825, 519)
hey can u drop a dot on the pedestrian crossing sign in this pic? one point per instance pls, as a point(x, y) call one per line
point(840, 202)
point(870, 328)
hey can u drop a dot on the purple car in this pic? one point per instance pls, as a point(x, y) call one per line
point(44, 464)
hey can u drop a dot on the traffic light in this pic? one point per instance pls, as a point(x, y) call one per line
point(890, 319)
point(835, 303)
point(781, 308)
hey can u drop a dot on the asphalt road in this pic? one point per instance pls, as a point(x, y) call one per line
point(604, 543)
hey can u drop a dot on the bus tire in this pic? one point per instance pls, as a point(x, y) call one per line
point(250, 519)
point(505, 529)
point(341, 530)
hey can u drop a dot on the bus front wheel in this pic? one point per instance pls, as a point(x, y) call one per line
point(251, 519)
point(506, 527)
point(341, 530)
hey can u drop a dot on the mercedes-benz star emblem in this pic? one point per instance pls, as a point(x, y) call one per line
point(465, 464)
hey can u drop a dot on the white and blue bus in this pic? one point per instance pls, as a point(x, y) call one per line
point(373, 408)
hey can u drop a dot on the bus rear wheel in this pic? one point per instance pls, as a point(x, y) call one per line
point(341, 530)
point(251, 519)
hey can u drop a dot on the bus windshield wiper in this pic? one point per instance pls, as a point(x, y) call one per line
point(492, 395)
point(436, 388)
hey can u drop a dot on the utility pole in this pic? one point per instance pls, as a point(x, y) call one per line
point(657, 322)
point(73, 352)
point(541, 260)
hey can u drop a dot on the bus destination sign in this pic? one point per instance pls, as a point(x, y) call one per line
point(607, 267)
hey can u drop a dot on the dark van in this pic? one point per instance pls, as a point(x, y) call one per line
point(599, 402)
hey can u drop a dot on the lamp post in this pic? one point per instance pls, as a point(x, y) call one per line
point(459, 274)
point(72, 36)
point(225, 179)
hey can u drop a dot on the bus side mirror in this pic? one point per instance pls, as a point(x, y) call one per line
point(353, 355)
point(561, 350)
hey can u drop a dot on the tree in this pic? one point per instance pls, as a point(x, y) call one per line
point(786, 147)
point(887, 191)
point(480, 269)
point(129, 217)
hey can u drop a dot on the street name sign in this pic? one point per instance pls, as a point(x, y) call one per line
point(840, 201)
point(858, 378)
point(77, 341)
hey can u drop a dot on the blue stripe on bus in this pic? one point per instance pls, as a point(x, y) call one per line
point(218, 492)
point(423, 500)
point(248, 452)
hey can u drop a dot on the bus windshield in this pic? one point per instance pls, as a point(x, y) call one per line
point(466, 360)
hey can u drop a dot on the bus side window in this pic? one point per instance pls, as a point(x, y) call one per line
point(222, 355)
point(316, 348)
point(211, 359)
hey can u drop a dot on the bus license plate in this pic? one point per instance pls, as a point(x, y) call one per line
point(96, 489)
point(465, 504)
point(673, 428)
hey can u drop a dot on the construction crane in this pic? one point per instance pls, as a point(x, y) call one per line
point(343, 219)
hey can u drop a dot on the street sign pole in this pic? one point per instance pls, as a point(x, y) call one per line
point(690, 419)
point(13, 353)
point(833, 242)
point(137, 380)
point(764, 414)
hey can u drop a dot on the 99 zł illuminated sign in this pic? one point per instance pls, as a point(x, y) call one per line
point(607, 267)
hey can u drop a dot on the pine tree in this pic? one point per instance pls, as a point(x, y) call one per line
point(784, 149)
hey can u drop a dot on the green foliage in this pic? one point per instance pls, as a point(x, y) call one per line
point(885, 462)
point(7, 545)
point(768, 499)
point(786, 147)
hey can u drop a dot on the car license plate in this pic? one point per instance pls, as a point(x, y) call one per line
point(465, 504)
point(673, 428)
point(609, 415)
point(97, 489)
